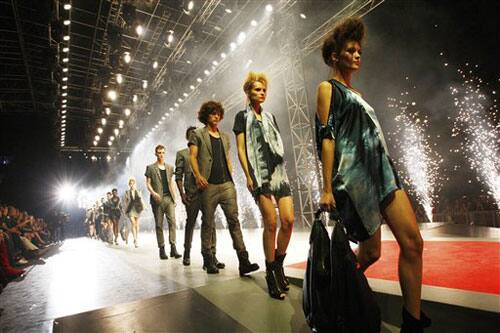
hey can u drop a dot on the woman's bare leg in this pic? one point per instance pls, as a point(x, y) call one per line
point(287, 218)
point(268, 212)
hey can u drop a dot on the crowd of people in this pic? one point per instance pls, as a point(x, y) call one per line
point(24, 238)
point(103, 218)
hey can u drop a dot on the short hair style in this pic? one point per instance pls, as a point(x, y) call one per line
point(189, 129)
point(131, 178)
point(208, 108)
point(253, 77)
point(348, 29)
point(114, 190)
point(108, 193)
point(158, 148)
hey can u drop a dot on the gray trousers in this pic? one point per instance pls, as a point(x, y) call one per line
point(192, 209)
point(165, 207)
point(225, 196)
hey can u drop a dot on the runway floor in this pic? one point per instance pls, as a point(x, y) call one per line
point(129, 284)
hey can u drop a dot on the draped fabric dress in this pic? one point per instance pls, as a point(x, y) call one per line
point(364, 178)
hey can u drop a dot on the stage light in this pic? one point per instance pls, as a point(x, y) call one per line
point(93, 157)
point(63, 111)
point(99, 130)
point(63, 121)
point(144, 84)
point(232, 46)
point(127, 112)
point(134, 99)
point(103, 121)
point(199, 80)
point(185, 94)
point(191, 87)
point(180, 100)
point(110, 143)
point(65, 78)
point(229, 11)
point(65, 59)
point(249, 62)
point(241, 37)
point(253, 23)
point(65, 70)
point(269, 8)
point(190, 5)
point(111, 138)
point(176, 105)
point(171, 109)
point(215, 63)
point(188, 62)
point(155, 64)
point(119, 78)
point(116, 131)
point(64, 101)
point(112, 95)
point(97, 138)
point(126, 57)
point(107, 111)
point(108, 158)
point(223, 55)
point(65, 49)
point(164, 92)
point(66, 191)
point(139, 30)
point(170, 37)
point(302, 16)
point(64, 94)
point(120, 123)
point(67, 6)
point(207, 73)
point(66, 38)
point(67, 22)
point(63, 106)
point(64, 87)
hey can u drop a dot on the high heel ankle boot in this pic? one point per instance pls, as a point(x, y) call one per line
point(273, 286)
point(282, 279)
point(412, 324)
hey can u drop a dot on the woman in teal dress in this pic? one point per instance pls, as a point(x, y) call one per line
point(358, 175)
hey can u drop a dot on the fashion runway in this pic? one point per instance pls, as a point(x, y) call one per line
point(87, 285)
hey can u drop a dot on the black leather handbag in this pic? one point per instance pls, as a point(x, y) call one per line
point(337, 297)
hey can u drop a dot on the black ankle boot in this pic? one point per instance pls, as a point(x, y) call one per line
point(218, 264)
point(209, 265)
point(245, 266)
point(163, 255)
point(413, 325)
point(186, 260)
point(282, 280)
point(273, 286)
point(173, 252)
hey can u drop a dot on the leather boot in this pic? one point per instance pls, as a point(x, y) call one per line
point(218, 264)
point(413, 325)
point(173, 252)
point(4, 262)
point(273, 286)
point(245, 266)
point(186, 260)
point(282, 279)
point(209, 265)
point(163, 255)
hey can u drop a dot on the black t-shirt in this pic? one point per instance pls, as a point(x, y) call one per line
point(164, 182)
point(219, 173)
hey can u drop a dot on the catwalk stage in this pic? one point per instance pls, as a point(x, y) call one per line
point(88, 286)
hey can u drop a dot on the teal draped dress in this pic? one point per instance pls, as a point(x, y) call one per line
point(364, 179)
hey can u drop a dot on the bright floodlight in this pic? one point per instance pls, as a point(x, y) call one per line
point(144, 84)
point(139, 30)
point(120, 123)
point(116, 131)
point(95, 143)
point(241, 37)
point(303, 16)
point(108, 111)
point(126, 57)
point(66, 49)
point(190, 5)
point(127, 112)
point(65, 70)
point(253, 23)
point(119, 78)
point(223, 55)
point(66, 192)
point(155, 64)
point(66, 38)
point(229, 11)
point(110, 143)
point(112, 95)
point(97, 138)
point(99, 130)
point(67, 22)
point(170, 37)
point(191, 87)
point(269, 8)
point(134, 98)
point(199, 80)
point(67, 6)
point(232, 46)
point(103, 121)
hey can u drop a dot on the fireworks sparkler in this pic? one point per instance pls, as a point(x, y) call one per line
point(420, 162)
point(477, 121)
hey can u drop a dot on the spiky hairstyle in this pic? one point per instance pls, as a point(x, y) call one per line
point(348, 29)
point(254, 77)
